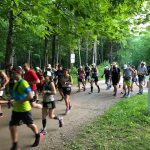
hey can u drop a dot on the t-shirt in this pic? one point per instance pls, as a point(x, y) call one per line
point(115, 73)
point(142, 70)
point(20, 91)
point(31, 76)
point(127, 72)
point(40, 76)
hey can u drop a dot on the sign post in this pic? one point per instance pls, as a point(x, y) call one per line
point(72, 58)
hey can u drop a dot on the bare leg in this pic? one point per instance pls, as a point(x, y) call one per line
point(14, 133)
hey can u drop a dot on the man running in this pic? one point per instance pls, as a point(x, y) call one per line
point(59, 74)
point(127, 74)
point(22, 110)
point(115, 77)
point(87, 73)
point(107, 73)
point(94, 78)
point(141, 71)
point(31, 77)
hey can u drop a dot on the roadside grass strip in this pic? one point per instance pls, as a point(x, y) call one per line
point(125, 126)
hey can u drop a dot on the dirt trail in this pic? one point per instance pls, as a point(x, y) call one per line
point(86, 107)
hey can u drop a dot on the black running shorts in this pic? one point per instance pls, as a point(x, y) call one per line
point(17, 117)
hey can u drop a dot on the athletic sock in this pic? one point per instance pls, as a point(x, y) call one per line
point(92, 89)
point(44, 123)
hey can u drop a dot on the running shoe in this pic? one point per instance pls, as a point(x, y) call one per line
point(43, 131)
point(67, 111)
point(90, 92)
point(38, 139)
point(70, 107)
point(61, 123)
point(15, 147)
point(98, 89)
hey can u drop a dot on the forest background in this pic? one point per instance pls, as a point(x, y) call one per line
point(96, 31)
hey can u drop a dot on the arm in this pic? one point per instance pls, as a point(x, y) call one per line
point(6, 80)
point(29, 96)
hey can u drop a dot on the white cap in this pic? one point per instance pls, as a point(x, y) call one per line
point(125, 66)
point(37, 68)
point(49, 66)
point(143, 62)
point(47, 73)
point(94, 64)
point(81, 67)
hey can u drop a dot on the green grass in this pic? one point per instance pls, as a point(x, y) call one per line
point(125, 126)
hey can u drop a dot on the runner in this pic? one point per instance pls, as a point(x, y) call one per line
point(66, 81)
point(41, 78)
point(31, 77)
point(22, 110)
point(87, 73)
point(127, 74)
point(141, 71)
point(4, 80)
point(49, 91)
point(115, 77)
point(81, 78)
point(107, 73)
point(134, 78)
point(94, 78)
point(59, 74)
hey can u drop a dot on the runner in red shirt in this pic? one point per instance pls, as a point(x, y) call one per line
point(31, 77)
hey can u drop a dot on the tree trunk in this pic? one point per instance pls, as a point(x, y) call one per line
point(45, 52)
point(87, 51)
point(95, 53)
point(102, 50)
point(110, 53)
point(53, 50)
point(9, 41)
point(79, 52)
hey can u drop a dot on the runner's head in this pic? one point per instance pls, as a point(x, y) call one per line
point(125, 66)
point(94, 65)
point(17, 73)
point(37, 69)
point(47, 75)
point(66, 71)
point(59, 67)
point(26, 66)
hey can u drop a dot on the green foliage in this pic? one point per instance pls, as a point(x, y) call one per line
point(125, 126)
point(69, 20)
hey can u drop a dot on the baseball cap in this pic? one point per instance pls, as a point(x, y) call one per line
point(47, 73)
point(125, 66)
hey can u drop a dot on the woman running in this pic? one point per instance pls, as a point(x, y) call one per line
point(49, 91)
point(4, 80)
point(66, 82)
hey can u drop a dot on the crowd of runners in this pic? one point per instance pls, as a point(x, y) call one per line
point(23, 85)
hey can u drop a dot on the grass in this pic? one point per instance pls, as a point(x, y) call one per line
point(125, 126)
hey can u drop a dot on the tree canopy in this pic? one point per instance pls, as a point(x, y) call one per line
point(50, 30)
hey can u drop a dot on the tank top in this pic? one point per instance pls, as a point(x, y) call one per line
point(47, 96)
